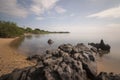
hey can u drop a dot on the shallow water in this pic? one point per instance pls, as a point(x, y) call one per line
point(37, 44)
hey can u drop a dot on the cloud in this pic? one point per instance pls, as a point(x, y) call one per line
point(36, 7)
point(40, 6)
point(39, 18)
point(10, 7)
point(109, 13)
point(114, 25)
point(72, 15)
point(59, 9)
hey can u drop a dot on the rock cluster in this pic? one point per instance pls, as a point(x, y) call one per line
point(101, 46)
point(108, 76)
point(65, 63)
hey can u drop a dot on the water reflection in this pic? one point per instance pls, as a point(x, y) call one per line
point(38, 44)
point(29, 36)
point(37, 36)
point(17, 42)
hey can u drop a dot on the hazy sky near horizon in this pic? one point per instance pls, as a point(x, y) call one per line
point(63, 15)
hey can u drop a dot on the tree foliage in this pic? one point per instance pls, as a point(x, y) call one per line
point(28, 30)
point(10, 29)
point(36, 31)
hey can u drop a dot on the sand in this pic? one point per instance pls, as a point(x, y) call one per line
point(10, 58)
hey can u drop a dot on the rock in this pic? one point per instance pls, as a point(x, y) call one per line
point(79, 48)
point(108, 76)
point(89, 65)
point(94, 49)
point(66, 48)
point(34, 57)
point(100, 46)
point(50, 41)
point(54, 53)
point(91, 57)
point(104, 46)
point(65, 63)
point(95, 45)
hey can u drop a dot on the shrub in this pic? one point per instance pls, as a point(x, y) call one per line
point(10, 29)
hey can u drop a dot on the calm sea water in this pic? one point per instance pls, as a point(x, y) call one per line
point(37, 44)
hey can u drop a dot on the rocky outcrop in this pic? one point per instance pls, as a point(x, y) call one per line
point(101, 46)
point(108, 76)
point(65, 63)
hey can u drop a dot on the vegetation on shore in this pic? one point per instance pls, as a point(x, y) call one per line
point(11, 29)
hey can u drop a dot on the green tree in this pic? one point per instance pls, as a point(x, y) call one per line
point(10, 29)
point(36, 31)
point(28, 30)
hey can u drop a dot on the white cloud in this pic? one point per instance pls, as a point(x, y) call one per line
point(59, 9)
point(114, 25)
point(37, 7)
point(40, 6)
point(109, 13)
point(72, 15)
point(39, 18)
point(10, 7)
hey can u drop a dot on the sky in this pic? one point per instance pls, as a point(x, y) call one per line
point(63, 15)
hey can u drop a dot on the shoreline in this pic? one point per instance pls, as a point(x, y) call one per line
point(10, 59)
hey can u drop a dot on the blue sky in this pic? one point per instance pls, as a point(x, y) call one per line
point(62, 15)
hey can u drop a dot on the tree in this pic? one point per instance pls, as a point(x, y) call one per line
point(36, 31)
point(9, 29)
point(28, 30)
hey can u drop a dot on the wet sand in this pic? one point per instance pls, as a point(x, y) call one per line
point(10, 58)
point(108, 66)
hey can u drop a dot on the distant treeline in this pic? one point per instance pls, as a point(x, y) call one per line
point(11, 29)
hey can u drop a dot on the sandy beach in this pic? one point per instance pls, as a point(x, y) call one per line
point(10, 58)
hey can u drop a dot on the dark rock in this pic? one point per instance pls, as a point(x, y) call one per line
point(89, 64)
point(108, 76)
point(65, 63)
point(79, 48)
point(101, 45)
point(50, 41)
point(34, 57)
point(91, 57)
point(5, 77)
point(66, 48)
point(94, 49)
point(104, 46)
